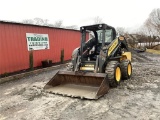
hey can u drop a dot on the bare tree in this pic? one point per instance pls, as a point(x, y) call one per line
point(154, 20)
point(150, 31)
point(120, 30)
point(40, 21)
point(98, 20)
point(147, 33)
point(58, 23)
point(50, 25)
point(36, 21)
point(28, 21)
point(75, 27)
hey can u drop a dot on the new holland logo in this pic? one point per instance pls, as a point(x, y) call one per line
point(112, 47)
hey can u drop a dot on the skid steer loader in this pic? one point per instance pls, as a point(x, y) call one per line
point(97, 65)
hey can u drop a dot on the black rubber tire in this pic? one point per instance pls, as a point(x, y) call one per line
point(124, 69)
point(110, 70)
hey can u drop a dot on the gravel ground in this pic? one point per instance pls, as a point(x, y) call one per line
point(136, 98)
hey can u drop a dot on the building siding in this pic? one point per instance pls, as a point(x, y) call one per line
point(14, 55)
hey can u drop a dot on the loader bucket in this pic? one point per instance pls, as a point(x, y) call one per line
point(78, 84)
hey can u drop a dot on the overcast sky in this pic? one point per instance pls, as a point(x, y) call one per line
point(122, 13)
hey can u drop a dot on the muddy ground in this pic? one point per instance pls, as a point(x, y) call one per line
point(136, 98)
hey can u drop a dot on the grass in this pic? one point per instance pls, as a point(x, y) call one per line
point(153, 51)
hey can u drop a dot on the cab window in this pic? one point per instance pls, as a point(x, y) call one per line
point(108, 36)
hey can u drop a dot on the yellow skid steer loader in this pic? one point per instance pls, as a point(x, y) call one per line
point(98, 64)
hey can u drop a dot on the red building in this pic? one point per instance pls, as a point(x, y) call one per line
point(14, 53)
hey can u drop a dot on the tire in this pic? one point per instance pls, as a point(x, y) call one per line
point(113, 71)
point(126, 68)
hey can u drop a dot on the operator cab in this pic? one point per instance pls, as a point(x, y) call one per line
point(103, 36)
point(107, 41)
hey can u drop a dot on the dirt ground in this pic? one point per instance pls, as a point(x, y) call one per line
point(136, 98)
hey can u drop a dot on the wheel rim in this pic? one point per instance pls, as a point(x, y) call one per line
point(118, 74)
point(129, 69)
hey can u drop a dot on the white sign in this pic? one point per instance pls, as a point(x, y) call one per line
point(37, 41)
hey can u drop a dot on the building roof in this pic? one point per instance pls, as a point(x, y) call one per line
point(18, 23)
